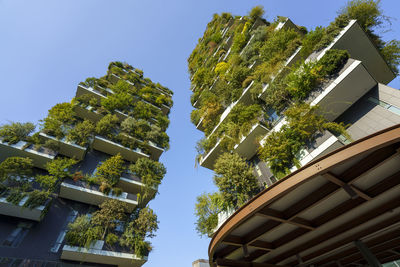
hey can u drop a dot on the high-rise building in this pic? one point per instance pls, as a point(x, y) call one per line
point(281, 98)
point(76, 192)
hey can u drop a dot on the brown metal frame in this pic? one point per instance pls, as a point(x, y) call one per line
point(378, 143)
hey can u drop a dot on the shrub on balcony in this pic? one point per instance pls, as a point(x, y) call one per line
point(142, 226)
point(207, 208)
point(111, 170)
point(281, 147)
point(60, 167)
point(15, 196)
point(151, 173)
point(16, 169)
point(118, 101)
point(84, 230)
point(81, 133)
point(157, 136)
point(256, 12)
point(136, 127)
point(235, 180)
point(107, 126)
point(59, 117)
point(14, 132)
point(36, 199)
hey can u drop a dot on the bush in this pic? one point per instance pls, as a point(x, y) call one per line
point(16, 169)
point(36, 199)
point(256, 12)
point(111, 170)
point(47, 182)
point(59, 117)
point(16, 131)
point(333, 61)
point(81, 133)
point(111, 239)
point(207, 208)
point(303, 123)
point(151, 174)
point(235, 180)
point(15, 196)
point(107, 125)
point(141, 227)
point(60, 167)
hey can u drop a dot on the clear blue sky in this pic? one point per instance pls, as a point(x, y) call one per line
point(48, 47)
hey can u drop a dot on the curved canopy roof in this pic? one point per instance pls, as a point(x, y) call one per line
point(317, 215)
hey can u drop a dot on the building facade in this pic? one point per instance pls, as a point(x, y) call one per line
point(75, 192)
point(281, 98)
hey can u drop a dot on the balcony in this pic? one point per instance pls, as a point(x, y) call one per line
point(88, 113)
point(77, 191)
point(68, 149)
point(245, 99)
point(295, 57)
point(97, 254)
point(200, 125)
point(286, 25)
point(222, 217)
point(208, 160)
point(82, 89)
point(247, 147)
point(249, 144)
point(322, 145)
point(10, 209)
point(338, 94)
point(112, 148)
point(353, 82)
point(23, 149)
point(353, 39)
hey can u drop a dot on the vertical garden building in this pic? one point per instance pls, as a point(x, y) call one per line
point(279, 98)
point(77, 190)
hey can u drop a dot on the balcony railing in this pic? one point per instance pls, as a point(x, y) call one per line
point(23, 149)
point(97, 254)
point(10, 209)
point(112, 148)
point(68, 149)
point(91, 195)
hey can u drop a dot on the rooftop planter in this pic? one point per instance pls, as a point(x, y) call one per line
point(113, 148)
point(66, 148)
point(20, 211)
point(93, 196)
point(96, 254)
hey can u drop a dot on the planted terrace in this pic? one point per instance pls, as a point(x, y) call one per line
point(110, 236)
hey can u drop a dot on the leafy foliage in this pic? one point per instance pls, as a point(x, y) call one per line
point(14, 132)
point(111, 170)
point(16, 169)
point(151, 174)
point(235, 180)
point(303, 123)
point(207, 208)
point(81, 133)
point(141, 227)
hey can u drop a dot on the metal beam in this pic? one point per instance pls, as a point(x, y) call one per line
point(367, 254)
